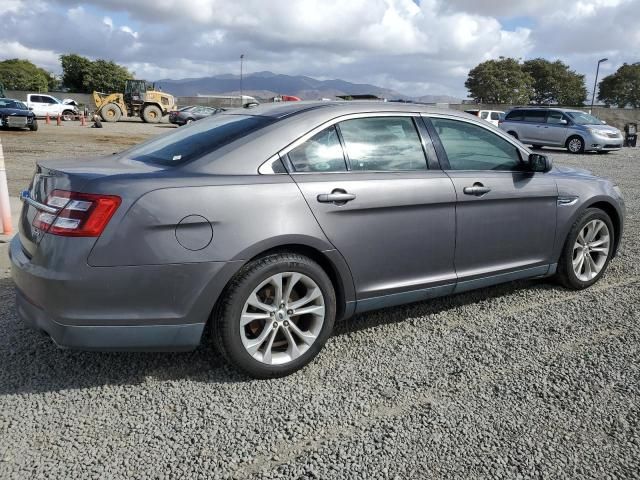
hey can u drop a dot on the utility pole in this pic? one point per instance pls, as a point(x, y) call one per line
point(595, 83)
point(241, 99)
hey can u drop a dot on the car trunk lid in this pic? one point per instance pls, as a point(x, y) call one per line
point(67, 176)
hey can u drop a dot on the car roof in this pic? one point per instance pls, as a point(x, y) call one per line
point(546, 109)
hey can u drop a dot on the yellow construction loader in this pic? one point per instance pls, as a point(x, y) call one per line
point(140, 99)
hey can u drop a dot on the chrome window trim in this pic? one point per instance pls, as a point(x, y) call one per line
point(351, 116)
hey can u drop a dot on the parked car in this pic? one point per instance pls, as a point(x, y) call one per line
point(491, 116)
point(15, 114)
point(574, 130)
point(269, 224)
point(191, 114)
point(43, 105)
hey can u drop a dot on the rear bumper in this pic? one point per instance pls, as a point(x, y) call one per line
point(109, 338)
point(147, 307)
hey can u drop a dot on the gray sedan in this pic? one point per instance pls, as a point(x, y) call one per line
point(268, 225)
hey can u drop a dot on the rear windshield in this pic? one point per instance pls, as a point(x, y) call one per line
point(198, 139)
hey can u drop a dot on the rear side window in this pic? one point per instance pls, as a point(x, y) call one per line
point(484, 115)
point(383, 144)
point(321, 153)
point(203, 137)
point(495, 116)
point(515, 116)
point(537, 116)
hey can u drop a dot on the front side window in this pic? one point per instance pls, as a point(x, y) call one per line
point(555, 118)
point(383, 144)
point(484, 115)
point(471, 147)
point(321, 153)
point(495, 115)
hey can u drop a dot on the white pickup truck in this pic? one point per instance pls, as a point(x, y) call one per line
point(42, 104)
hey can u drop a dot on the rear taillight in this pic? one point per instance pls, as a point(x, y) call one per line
point(81, 214)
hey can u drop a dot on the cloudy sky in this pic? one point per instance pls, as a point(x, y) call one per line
point(416, 47)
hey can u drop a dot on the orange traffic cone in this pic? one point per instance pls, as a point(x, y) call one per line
point(82, 122)
point(59, 121)
point(46, 120)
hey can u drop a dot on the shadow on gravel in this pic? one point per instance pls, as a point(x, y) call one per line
point(31, 363)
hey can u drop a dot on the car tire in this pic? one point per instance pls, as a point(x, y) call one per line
point(68, 115)
point(575, 144)
point(34, 126)
point(603, 152)
point(110, 113)
point(577, 275)
point(513, 134)
point(250, 347)
point(189, 120)
point(151, 114)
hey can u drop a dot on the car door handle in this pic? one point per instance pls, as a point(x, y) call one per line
point(337, 196)
point(477, 189)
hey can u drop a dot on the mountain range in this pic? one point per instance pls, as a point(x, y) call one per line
point(265, 85)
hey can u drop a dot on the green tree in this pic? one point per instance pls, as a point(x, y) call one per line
point(83, 75)
point(555, 82)
point(74, 67)
point(501, 81)
point(621, 88)
point(18, 74)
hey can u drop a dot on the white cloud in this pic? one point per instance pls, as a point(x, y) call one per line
point(416, 48)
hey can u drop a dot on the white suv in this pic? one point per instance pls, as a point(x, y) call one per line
point(491, 116)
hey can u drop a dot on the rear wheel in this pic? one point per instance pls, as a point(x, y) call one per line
point(110, 113)
point(151, 114)
point(513, 134)
point(575, 144)
point(587, 250)
point(275, 315)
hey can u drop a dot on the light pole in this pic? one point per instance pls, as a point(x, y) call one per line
point(241, 59)
point(595, 83)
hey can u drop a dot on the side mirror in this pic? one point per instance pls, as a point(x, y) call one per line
point(539, 163)
point(603, 122)
point(563, 122)
point(31, 108)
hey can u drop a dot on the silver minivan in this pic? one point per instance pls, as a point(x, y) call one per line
point(575, 130)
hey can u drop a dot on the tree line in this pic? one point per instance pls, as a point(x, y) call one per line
point(542, 82)
point(79, 74)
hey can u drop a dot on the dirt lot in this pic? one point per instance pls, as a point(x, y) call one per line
point(523, 380)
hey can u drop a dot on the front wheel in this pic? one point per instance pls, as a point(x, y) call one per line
point(575, 145)
point(151, 114)
point(587, 250)
point(34, 126)
point(275, 315)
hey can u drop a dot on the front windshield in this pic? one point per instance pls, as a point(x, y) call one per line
point(581, 118)
point(4, 103)
point(198, 139)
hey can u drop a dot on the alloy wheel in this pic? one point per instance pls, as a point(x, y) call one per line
point(282, 318)
point(575, 145)
point(591, 250)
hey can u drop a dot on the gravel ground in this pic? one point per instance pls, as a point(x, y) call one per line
point(524, 380)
